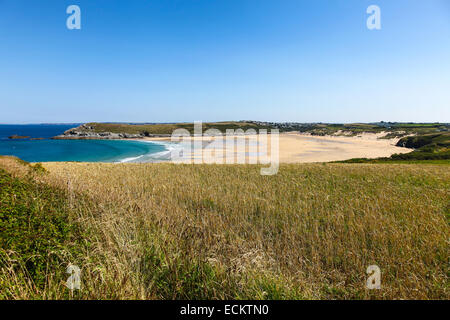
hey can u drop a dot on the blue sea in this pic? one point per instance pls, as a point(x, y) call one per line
point(75, 150)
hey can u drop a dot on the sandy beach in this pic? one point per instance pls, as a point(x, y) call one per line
point(305, 148)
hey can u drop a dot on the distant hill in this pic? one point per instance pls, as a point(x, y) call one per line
point(95, 130)
point(133, 130)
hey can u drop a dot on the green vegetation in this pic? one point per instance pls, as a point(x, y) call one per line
point(429, 147)
point(437, 141)
point(34, 232)
point(394, 161)
point(166, 231)
point(394, 130)
point(342, 129)
point(167, 129)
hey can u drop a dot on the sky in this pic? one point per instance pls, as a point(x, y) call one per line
point(220, 60)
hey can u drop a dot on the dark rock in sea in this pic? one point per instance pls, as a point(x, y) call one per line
point(15, 136)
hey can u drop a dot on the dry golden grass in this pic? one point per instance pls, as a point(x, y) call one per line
point(215, 231)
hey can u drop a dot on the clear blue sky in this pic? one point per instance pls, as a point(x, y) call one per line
point(211, 60)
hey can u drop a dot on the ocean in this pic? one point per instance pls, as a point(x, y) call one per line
point(47, 150)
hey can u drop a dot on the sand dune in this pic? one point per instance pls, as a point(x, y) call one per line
point(306, 148)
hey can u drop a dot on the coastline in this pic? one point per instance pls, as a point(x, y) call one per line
point(294, 146)
point(306, 148)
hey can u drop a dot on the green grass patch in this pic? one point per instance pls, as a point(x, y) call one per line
point(34, 233)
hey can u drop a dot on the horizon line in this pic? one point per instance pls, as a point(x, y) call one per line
point(221, 121)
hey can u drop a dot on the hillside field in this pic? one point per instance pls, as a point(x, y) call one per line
point(166, 231)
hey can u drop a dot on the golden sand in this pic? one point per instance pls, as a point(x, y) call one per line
point(305, 148)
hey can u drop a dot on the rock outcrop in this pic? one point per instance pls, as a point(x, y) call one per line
point(88, 132)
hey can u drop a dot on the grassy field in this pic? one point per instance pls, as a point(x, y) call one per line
point(168, 128)
point(165, 231)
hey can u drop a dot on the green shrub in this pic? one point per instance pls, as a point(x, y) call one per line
point(33, 226)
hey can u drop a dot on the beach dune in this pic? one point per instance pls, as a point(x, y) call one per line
point(303, 148)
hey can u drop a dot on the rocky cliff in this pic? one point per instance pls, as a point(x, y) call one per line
point(87, 132)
